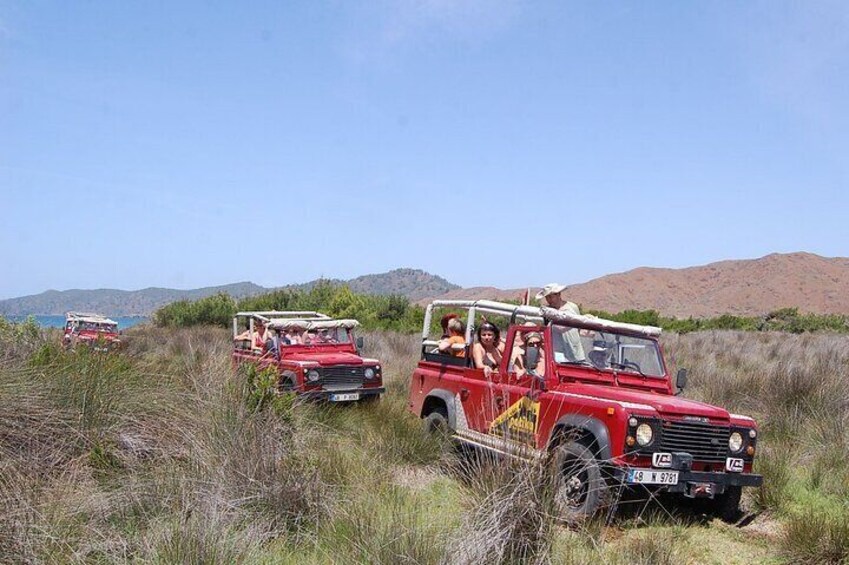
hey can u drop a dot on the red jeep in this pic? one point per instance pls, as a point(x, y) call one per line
point(591, 396)
point(313, 354)
point(91, 330)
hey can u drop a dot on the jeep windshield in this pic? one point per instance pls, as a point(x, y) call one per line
point(324, 336)
point(98, 327)
point(606, 351)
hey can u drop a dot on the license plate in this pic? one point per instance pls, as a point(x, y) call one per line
point(345, 397)
point(652, 477)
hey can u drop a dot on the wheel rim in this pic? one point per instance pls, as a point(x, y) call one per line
point(574, 483)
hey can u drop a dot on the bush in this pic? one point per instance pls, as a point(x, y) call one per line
point(818, 536)
point(373, 312)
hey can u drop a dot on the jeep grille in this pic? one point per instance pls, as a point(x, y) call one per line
point(351, 376)
point(705, 442)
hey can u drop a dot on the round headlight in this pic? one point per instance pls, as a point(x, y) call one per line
point(313, 375)
point(644, 434)
point(632, 422)
point(735, 442)
point(753, 434)
point(369, 373)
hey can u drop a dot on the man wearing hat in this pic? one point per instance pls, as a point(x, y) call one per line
point(551, 296)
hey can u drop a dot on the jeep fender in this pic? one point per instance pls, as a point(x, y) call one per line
point(593, 426)
point(448, 398)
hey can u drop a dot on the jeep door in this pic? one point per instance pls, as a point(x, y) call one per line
point(516, 394)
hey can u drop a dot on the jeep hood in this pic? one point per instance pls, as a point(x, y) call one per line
point(665, 405)
point(328, 358)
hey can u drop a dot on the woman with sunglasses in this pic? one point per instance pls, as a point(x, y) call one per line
point(531, 339)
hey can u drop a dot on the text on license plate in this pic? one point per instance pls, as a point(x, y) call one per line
point(344, 397)
point(652, 477)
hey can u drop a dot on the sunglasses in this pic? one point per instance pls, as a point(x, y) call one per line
point(534, 344)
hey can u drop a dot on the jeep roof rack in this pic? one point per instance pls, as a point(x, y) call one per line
point(542, 314)
point(88, 317)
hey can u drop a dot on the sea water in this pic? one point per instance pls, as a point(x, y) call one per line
point(124, 322)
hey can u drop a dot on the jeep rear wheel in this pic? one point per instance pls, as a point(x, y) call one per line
point(580, 487)
point(436, 422)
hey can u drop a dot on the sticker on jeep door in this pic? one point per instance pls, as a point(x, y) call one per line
point(518, 422)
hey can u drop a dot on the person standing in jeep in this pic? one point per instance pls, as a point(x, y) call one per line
point(551, 296)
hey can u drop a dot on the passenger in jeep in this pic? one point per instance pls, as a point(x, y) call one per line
point(295, 335)
point(259, 337)
point(455, 343)
point(488, 349)
point(531, 339)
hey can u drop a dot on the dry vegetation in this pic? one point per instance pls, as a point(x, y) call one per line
point(162, 454)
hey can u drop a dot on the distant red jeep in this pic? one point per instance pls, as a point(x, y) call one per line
point(91, 330)
point(314, 355)
point(591, 396)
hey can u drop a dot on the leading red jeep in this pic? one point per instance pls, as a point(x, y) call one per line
point(592, 395)
point(91, 330)
point(314, 355)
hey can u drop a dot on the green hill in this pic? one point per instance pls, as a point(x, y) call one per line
point(412, 283)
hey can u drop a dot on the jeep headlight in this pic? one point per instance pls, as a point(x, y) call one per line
point(644, 434)
point(313, 375)
point(735, 442)
point(369, 373)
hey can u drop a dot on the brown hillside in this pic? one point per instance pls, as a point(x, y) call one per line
point(744, 287)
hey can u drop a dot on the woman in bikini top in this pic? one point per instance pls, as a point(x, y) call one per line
point(488, 348)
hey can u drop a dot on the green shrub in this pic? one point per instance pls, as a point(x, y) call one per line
point(818, 535)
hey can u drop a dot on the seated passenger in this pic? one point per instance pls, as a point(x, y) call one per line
point(444, 323)
point(531, 339)
point(455, 343)
point(257, 338)
point(488, 349)
point(295, 335)
point(277, 339)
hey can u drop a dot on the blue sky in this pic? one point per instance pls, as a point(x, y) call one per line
point(492, 142)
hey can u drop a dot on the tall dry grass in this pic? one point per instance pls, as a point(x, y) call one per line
point(157, 454)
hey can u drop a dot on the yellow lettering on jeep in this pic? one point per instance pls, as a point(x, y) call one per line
point(518, 422)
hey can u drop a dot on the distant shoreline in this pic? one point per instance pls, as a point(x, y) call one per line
point(124, 322)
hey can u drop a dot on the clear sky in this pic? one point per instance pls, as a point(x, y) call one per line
point(493, 142)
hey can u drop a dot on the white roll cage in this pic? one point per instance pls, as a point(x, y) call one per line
point(540, 315)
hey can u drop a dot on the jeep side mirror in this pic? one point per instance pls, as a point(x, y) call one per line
point(681, 380)
point(360, 342)
point(531, 358)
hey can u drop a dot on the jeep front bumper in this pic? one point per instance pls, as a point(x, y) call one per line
point(330, 395)
point(694, 483)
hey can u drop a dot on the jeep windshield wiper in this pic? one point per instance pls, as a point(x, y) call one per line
point(628, 367)
point(582, 362)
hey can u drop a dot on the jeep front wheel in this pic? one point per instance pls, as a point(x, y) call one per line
point(580, 487)
point(726, 506)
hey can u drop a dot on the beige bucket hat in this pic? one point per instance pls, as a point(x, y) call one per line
point(550, 288)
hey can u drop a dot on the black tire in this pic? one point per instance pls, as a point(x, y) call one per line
point(726, 506)
point(436, 422)
point(580, 487)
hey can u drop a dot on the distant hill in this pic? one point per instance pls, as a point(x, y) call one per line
point(750, 287)
point(412, 283)
point(114, 302)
